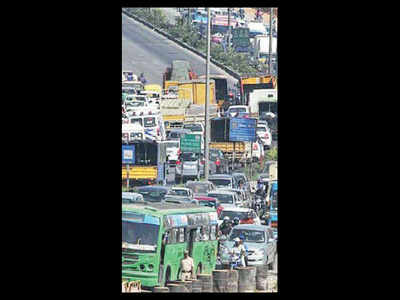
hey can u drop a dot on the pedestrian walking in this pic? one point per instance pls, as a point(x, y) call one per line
point(187, 266)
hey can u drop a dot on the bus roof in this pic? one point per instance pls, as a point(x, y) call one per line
point(160, 209)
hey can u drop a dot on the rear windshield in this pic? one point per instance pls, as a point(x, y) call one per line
point(198, 188)
point(223, 198)
point(181, 192)
point(149, 122)
point(172, 145)
point(221, 182)
point(237, 109)
point(193, 127)
point(189, 156)
point(153, 195)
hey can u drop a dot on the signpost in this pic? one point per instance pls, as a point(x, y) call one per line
point(128, 157)
point(191, 143)
point(243, 130)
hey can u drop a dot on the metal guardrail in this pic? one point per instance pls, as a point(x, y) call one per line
point(183, 44)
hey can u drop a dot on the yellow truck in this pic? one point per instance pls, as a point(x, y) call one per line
point(195, 90)
point(228, 148)
point(221, 87)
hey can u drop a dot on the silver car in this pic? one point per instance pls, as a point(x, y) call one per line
point(259, 240)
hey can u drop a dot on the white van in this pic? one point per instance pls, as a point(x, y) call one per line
point(153, 124)
point(131, 132)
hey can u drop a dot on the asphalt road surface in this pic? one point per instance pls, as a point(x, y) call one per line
point(144, 50)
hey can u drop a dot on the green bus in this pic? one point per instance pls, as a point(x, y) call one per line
point(155, 235)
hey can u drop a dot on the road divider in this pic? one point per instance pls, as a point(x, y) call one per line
point(181, 43)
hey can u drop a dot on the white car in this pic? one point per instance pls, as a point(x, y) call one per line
point(226, 198)
point(264, 133)
point(181, 191)
point(172, 148)
point(240, 212)
point(234, 109)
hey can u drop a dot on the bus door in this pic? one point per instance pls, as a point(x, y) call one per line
point(191, 238)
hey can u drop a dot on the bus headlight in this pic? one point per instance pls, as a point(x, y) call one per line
point(142, 267)
point(150, 268)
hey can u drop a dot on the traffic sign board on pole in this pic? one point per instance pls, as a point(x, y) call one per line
point(191, 143)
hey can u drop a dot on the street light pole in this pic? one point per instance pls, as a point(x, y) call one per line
point(229, 28)
point(270, 41)
point(207, 121)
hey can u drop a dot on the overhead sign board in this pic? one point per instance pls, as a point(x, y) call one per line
point(191, 143)
point(242, 130)
point(128, 154)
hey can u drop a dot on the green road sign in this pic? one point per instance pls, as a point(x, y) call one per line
point(191, 143)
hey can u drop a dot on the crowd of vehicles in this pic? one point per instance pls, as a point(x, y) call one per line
point(167, 207)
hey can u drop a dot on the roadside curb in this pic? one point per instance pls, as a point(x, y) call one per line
point(182, 44)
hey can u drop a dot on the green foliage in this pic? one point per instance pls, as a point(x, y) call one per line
point(272, 154)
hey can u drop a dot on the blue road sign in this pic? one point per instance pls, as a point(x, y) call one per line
point(242, 130)
point(128, 154)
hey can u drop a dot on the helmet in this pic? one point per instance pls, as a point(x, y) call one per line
point(241, 236)
point(236, 239)
point(236, 219)
point(226, 218)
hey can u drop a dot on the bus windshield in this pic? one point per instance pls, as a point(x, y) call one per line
point(140, 233)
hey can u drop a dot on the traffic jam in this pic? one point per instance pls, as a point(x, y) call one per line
point(184, 230)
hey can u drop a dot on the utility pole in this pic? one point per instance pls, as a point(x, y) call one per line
point(207, 121)
point(270, 41)
point(229, 28)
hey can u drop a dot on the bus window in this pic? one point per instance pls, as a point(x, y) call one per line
point(212, 233)
point(181, 235)
point(172, 237)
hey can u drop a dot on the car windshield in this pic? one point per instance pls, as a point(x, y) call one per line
point(198, 188)
point(140, 233)
point(153, 195)
point(193, 127)
point(251, 236)
point(221, 182)
point(223, 198)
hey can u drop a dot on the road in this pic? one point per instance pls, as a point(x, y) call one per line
point(144, 50)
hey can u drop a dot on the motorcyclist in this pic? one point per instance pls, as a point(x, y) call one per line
point(238, 252)
point(226, 226)
point(236, 221)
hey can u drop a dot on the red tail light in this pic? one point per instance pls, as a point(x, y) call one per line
point(202, 162)
point(179, 151)
point(178, 162)
point(255, 146)
point(218, 162)
point(158, 131)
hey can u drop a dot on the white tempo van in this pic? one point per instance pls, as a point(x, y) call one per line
point(153, 124)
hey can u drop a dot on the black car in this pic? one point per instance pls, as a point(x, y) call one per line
point(153, 193)
point(218, 158)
